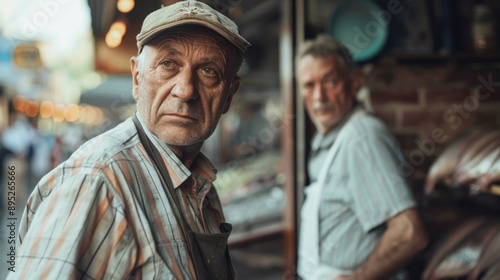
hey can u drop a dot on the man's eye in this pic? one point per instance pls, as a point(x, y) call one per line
point(209, 71)
point(308, 86)
point(168, 63)
point(331, 82)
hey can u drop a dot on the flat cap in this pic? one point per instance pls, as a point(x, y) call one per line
point(190, 12)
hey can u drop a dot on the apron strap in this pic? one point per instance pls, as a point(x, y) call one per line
point(309, 255)
point(155, 156)
point(208, 252)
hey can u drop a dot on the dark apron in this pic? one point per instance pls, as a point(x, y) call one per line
point(212, 261)
point(209, 252)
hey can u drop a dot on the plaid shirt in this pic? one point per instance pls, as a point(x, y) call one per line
point(104, 214)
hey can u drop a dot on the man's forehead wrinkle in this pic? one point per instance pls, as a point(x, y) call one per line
point(167, 46)
point(204, 40)
point(331, 73)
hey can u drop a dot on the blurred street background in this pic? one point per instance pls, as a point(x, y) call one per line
point(46, 63)
point(65, 78)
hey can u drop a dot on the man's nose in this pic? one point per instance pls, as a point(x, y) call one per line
point(318, 93)
point(184, 87)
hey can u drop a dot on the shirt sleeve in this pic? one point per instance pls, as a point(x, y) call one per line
point(78, 231)
point(380, 191)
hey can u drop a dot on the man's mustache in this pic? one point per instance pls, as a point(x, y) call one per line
point(183, 108)
point(322, 105)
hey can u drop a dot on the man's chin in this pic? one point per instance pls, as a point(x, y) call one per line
point(327, 125)
point(181, 139)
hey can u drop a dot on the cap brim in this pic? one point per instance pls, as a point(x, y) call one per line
point(239, 42)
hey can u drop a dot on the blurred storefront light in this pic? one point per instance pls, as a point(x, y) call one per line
point(115, 34)
point(48, 112)
point(83, 113)
point(72, 113)
point(19, 103)
point(125, 6)
point(46, 109)
point(119, 26)
point(32, 109)
point(113, 39)
point(58, 115)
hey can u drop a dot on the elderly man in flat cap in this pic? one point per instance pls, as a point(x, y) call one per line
point(138, 201)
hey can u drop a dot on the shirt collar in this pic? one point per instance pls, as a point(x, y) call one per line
point(179, 173)
point(321, 141)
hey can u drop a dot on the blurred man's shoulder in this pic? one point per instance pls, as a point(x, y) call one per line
point(368, 125)
point(92, 160)
point(107, 145)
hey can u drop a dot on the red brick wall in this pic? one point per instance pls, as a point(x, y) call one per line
point(431, 105)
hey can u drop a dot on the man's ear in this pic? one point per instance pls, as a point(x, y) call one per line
point(134, 69)
point(235, 85)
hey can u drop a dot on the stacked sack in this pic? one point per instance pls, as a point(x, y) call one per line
point(472, 160)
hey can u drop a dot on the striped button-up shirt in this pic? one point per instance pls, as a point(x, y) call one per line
point(364, 189)
point(104, 213)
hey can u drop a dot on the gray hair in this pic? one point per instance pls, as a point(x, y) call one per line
point(323, 46)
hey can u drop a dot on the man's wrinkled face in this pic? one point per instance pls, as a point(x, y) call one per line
point(183, 84)
point(327, 92)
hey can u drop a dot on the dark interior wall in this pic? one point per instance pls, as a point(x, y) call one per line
point(428, 106)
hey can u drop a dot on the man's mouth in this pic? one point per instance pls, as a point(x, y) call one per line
point(181, 116)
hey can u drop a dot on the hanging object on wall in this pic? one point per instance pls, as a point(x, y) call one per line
point(362, 26)
point(484, 30)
